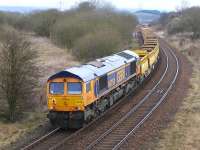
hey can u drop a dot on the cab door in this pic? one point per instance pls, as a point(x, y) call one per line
point(89, 93)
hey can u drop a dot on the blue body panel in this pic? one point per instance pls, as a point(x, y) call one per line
point(101, 69)
point(111, 80)
point(128, 71)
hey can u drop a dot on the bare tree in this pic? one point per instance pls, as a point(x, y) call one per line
point(18, 72)
point(183, 6)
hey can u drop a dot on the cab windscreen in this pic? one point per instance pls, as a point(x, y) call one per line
point(56, 88)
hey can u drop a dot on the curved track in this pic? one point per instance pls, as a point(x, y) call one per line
point(113, 137)
point(126, 126)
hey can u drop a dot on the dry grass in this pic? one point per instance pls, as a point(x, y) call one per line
point(11, 132)
point(51, 59)
point(184, 132)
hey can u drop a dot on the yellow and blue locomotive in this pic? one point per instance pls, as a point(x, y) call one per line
point(79, 94)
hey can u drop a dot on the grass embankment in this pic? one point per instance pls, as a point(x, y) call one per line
point(88, 31)
point(184, 132)
point(51, 59)
point(10, 132)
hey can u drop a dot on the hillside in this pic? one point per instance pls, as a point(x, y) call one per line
point(20, 9)
point(183, 131)
point(51, 59)
point(147, 16)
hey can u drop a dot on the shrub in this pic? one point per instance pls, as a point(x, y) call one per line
point(16, 20)
point(42, 22)
point(191, 20)
point(186, 20)
point(85, 20)
point(66, 31)
point(175, 26)
point(77, 24)
point(97, 44)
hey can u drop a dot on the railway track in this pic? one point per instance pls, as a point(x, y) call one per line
point(54, 138)
point(115, 136)
point(48, 139)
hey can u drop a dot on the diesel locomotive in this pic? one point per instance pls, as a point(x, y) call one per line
point(79, 94)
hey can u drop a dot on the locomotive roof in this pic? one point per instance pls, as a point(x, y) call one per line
point(98, 67)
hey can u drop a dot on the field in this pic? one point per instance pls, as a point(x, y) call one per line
point(51, 59)
point(183, 132)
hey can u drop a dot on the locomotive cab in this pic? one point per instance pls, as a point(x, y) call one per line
point(67, 95)
point(79, 94)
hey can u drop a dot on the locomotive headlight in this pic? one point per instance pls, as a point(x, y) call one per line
point(77, 108)
point(54, 101)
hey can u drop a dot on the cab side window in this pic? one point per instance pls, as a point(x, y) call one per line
point(87, 87)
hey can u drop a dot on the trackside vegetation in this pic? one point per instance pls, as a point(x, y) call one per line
point(183, 33)
point(18, 73)
point(109, 30)
point(90, 30)
point(186, 20)
point(34, 45)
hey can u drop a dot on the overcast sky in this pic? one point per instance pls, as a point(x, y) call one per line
point(122, 4)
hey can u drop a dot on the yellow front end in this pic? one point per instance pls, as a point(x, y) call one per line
point(63, 100)
point(65, 103)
